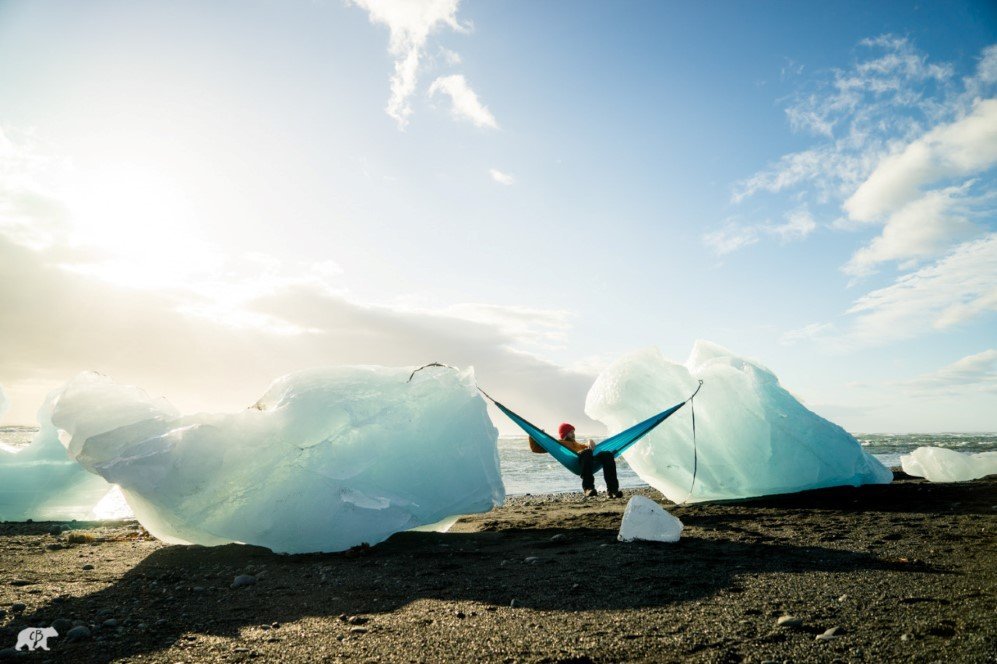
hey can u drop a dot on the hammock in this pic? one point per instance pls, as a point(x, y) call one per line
point(616, 444)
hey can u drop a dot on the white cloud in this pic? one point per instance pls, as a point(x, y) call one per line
point(922, 228)
point(464, 103)
point(861, 113)
point(730, 238)
point(500, 177)
point(811, 332)
point(410, 22)
point(955, 289)
point(798, 225)
point(733, 236)
point(960, 148)
point(452, 58)
point(29, 214)
point(528, 327)
point(971, 374)
point(222, 356)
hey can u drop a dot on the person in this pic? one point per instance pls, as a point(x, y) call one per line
point(585, 451)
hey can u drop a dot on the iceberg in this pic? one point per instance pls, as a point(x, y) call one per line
point(937, 464)
point(41, 481)
point(644, 519)
point(326, 460)
point(753, 437)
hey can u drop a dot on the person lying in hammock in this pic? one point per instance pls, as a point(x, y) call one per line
point(566, 433)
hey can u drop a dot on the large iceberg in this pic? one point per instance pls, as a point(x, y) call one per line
point(937, 464)
point(754, 438)
point(326, 460)
point(41, 482)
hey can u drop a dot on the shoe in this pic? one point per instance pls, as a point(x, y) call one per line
point(591, 493)
point(615, 494)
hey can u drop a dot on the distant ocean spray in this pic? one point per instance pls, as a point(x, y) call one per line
point(525, 472)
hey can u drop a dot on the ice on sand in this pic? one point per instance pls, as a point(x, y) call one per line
point(645, 519)
point(754, 437)
point(937, 464)
point(326, 460)
point(41, 481)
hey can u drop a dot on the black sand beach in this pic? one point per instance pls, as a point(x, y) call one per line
point(896, 573)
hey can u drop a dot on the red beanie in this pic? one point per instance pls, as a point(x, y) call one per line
point(564, 430)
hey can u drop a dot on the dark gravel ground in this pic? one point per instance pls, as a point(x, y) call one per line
point(904, 572)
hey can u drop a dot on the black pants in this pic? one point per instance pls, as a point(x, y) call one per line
point(608, 470)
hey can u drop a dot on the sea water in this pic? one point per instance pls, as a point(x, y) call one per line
point(525, 472)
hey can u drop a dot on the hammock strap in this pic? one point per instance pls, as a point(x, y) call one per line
point(695, 449)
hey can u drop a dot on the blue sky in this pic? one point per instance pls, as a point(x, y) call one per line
point(546, 187)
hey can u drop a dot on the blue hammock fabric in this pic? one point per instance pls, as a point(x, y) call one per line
point(616, 444)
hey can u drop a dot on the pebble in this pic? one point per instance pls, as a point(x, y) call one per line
point(110, 623)
point(831, 633)
point(843, 598)
point(243, 580)
point(198, 589)
point(557, 537)
point(789, 622)
point(55, 531)
point(77, 634)
point(358, 630)
point(18, 607)
point(531, 560)
point(87, 567)
point(62, 625)
point(459, 614)
point(356, 620)
point(514, 604)
point(907, 637)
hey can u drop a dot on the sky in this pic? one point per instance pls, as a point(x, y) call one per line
point(199, 197)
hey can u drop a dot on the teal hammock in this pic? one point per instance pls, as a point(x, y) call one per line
point(616, 444)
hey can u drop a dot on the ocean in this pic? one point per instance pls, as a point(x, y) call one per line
point(525, 472)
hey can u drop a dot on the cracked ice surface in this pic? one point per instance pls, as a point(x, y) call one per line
point(41, 481)
point(326, 460)
point(754, 437)
point(937, 464)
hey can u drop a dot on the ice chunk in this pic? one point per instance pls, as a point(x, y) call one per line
point(937, 464)
point(41, 481)
point(644, 519)
point(326, 460)
point(754, 438)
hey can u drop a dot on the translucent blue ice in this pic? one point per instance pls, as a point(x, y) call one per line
point(754, 437)
point(937, 464)
point(326, 460)
point(41, 481)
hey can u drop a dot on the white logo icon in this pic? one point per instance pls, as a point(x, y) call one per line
point(35, 637)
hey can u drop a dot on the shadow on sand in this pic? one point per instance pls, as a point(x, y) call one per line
point(181, 590)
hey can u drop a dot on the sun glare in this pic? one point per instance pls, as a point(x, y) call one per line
point(141, 227)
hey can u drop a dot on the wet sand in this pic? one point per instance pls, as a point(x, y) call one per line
point(904, 571)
